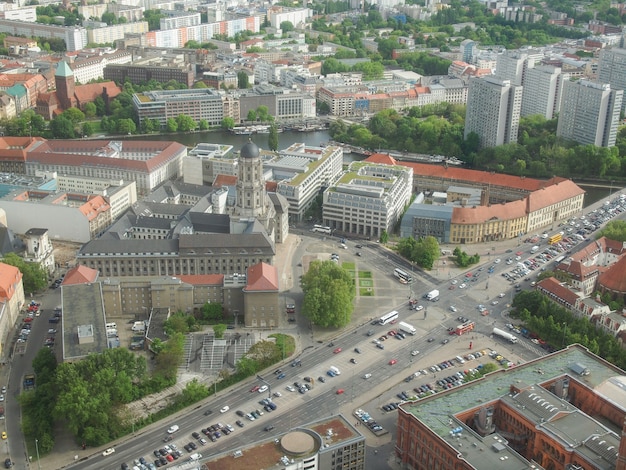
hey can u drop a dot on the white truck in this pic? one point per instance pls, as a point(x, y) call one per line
point(504, 334)
point(432, 295)
point(405, 327)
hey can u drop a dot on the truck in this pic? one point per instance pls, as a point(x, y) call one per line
point(410, 329)
point(503, 334)
point(138, 326)
point(432, 295)
point(29, 381)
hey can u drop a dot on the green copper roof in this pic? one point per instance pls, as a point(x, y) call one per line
point(63, 70)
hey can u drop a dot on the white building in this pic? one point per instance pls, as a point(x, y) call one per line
point(589, 113)
point(612, 68)
point(28, 14)
point(542, 91)
point(302, 172)
point(368, 199)
point(493, 111)
point(179, 19)
point(297, 16)
point(75, 37)
point(92, 68)
point(112, 33)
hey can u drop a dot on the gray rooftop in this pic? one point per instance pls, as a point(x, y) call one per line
point(558, 418)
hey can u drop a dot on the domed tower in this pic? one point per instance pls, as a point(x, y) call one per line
point(252, 199)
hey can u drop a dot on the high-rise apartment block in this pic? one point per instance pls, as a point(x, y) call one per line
point(543, 87)
point(612, 68)
point(493, 111)
point(589, 113)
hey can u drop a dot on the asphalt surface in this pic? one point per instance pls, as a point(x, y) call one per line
point(295, 408)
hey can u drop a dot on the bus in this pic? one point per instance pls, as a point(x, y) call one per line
point(388, 318)
point(402, 276)
point(465, 328)
point(321, 229)
point(555, 239)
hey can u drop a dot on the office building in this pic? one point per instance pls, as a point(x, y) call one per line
point(543, 88)
point(12, 301)
point(561, 411)
point(160, 69)
point(589, 113)
point(75, 37)
point(161, 105)
point(493, 111)
point(368, 199)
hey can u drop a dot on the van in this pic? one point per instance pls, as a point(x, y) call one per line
point(195, 456)
point(138, 326)
point(111, 333)
point(111, 326)
point(334, 370)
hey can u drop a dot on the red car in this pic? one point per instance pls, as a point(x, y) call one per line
point(391, 333)
point(338, 350)
point(469, 275)
point(255, 388)
point(392, 362)
point(28, 320)
point(340, 391)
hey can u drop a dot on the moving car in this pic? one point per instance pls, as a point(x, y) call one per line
point(263, 389)
point(336, 351)
point(108, 451)
point(393, 361)
point(340, 391)
point(173, 429)
point(224, 409)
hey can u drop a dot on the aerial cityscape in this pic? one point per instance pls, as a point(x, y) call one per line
point(312, 235)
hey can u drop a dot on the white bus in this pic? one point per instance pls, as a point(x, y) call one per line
point(321, 229)
point(388, 318)
point(404, 277)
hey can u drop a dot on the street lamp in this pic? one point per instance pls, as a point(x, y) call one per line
point(37, 449)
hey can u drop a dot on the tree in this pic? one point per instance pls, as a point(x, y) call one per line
point(219, 330)
point(34, 277)
point(384, 237)
point(227, 123)
point(251, 115)
point(242, 80)
point(614, 230)
point(203, 124)
point(62, 128)
point(185, 123)
point(272, 138)
point(286, 26)
point(172, 125)
point(90, 110)
point(263, 114)
point(126, 126)
point(212, 312)
point(328, 295)
point(87, 129)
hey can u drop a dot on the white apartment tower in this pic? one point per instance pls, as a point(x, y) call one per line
point(589, 113)
point(612, 68)
point(543, 87)
point(513, 65)
point(493, 111)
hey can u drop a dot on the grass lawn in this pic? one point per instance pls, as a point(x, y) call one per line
point(348, 266)
point(365, 274)
point(366, 292)
point(365, 283)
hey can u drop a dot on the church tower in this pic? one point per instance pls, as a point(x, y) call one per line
point(64, 81)
point(252, 199)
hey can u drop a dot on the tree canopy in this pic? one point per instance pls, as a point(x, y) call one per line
point(615, 230)
point(328, 294)
point(424, 252)
point(34, 277)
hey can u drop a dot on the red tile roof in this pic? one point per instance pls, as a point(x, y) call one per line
point(202, 279)
point(262, 277)
point(553, 194)
point(10, 276)
point(463, 174)
point(80, 275)
point(94, 207)
point(88, 93)
point(557, 292)
point(614, 278)
point(224, 180)
point(481, 214)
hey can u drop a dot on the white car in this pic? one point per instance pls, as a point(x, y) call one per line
point(290, 388)
point(263, 389)
point(494, 302)
point(108, 451)
point(452, 308)
point(173, 429)
point(367, 376)
point(415, 352)
point(278, 394)
point(501, 295)
point(463, 286)
point(454, 281)
point(419, 307)
point(497, 260)
point(224, 409)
